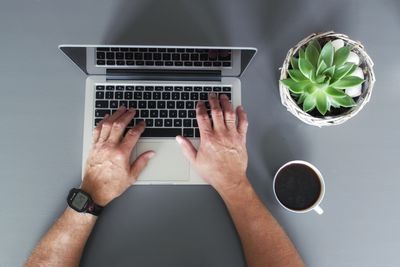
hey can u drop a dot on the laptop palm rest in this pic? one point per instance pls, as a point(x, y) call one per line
point(169, 164)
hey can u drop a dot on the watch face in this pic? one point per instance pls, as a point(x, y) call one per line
point(79, 201)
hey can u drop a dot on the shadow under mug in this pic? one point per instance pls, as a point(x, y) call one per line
point(316, 204)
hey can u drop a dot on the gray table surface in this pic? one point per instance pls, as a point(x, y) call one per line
point(42, 101)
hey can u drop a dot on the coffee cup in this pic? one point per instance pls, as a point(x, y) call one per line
point(299, 187)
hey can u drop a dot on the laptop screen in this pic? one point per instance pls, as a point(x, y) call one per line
point(159, 60)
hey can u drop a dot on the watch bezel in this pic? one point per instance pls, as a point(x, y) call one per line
point(71, 196)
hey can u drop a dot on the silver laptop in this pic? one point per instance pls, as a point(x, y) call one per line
point(164, 84)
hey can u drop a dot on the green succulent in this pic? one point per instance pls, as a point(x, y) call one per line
point(319, 77)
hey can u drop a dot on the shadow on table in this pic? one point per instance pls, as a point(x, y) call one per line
point(174, 22)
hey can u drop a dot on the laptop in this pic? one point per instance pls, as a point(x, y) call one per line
point(164, 84)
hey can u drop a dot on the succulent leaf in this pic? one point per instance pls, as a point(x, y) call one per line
point(294, 62)
point(335, 92)
point(329, 71)
point(312, 55)
point(346, 101)
point(341, 56)
point(322, 102)
point(327, 54)
point(347, 82)
point(295, 87)
point(297, 76)
point(343, 70)
point(306, 68)
point(302, 54)
point(309, 103)
point(321, 67)
point(316, 44)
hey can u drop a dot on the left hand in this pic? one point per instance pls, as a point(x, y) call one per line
point(108, 170)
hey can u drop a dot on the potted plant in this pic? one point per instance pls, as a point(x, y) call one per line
point(326, 79)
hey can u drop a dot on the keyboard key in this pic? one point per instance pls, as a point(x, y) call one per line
point(160, 104)
point(162, 50)
point(168, 123)
point(198, 64)
point(110, 55)
point(184, 96)
point(133, 104)
point(203, 96)
point(175, 96)
point(103, 49)
point(180, 104)
point(157, 56)
point(149, 63)
point(170, 104)
point(114, 48)
point(194, 122)
point(196, 132)
point(140, 62)
point(173, 114)
point(110, 87)
point(197, 88)
point(142, 104)
point(178, 63)
point(177, 123)
point(119, 55)
point(120, 62)
point(109, 95)
point(158, 88)
point(166, 95)
point(161, 132)
point(188, 132)
point(189, 105)
point(188, 64)
point(188, 88)
point(147, 56)
point(101, 62)
point(157, 95)
point(119, 95)
point(191, 113)
point(138, 56)
point(97, 121)
point(99, 95)
point(100, 87)
point(182, 114)
point(158, 123)
point(185, 57)
point(176, 57)
point(128, 56)
point(151, 104)
point(147, 95)
point(130, 62)
point(159, 63)
point(123, 103)
point(137, 95)
point(120, 87)
point(139, 88)
point(133, 49)
point(113, 104)
point(144, 113)
point(207, 64)
point(226, 89)
point(129, 88)
point(178, 88)
point(149, 88)
point(169, 88)
point(168, 63)
point(149, 122)
point(207, 89)
point(166, 56)
point(226, 64)
point(154, 113)
point(203, 57)
point(110, 62)
point(152, 49)
point(163, 113)
point(102, 104)
point(194, 57)
point(194, 96)
point(100, 113)
point(128, 95)
point(187, 123)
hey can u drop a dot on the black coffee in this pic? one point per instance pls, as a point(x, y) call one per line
point(297, 186)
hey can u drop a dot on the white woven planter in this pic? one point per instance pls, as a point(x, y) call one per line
point(365, 63)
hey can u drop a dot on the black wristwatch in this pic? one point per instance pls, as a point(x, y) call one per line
point(81, 201)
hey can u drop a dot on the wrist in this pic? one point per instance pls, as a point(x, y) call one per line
point(95, 194)
point(228, 192)
point(79, 217)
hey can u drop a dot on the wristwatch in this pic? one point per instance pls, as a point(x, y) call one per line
point(81, 201)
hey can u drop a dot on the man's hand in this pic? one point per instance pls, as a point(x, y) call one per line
point(221, 159)
point(108, 170)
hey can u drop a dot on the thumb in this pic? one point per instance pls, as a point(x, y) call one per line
point(140, 163)
point(187, 148)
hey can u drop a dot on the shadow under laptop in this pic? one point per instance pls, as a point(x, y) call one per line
point(175, 22)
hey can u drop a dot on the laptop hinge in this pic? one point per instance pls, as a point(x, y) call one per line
point(163, 75)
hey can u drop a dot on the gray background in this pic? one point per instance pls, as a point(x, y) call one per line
point(41, 107)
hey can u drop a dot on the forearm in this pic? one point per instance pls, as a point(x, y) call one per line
point(64, 242)
point(264, 242)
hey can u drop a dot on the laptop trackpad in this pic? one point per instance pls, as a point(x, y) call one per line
point(169, 164)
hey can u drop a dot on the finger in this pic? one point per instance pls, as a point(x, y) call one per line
point(187, 147)
point(119, 126)
point(216, 112)
point(229, 114)
point(97, 130)
point(139, 164)
point(242, 121)
point(132, 136)
point(107, 124)
point(202, 118)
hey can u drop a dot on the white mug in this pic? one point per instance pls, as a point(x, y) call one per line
point(315, 206)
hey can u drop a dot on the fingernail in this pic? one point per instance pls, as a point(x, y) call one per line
point(213, 95)
point(132, 110)
point(224, 96)
point(178, 139)
point(151, 154)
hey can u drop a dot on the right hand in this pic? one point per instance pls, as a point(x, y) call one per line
point(221, 159)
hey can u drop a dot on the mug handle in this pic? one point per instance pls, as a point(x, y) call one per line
point(318, 210)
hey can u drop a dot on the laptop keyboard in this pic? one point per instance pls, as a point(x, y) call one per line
point(160, 57)
point(167, 110)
